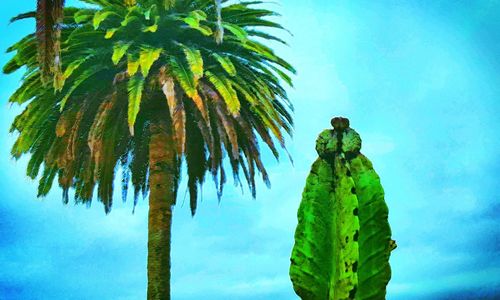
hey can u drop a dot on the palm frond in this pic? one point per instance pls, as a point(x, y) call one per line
point(135, 88)
point(187, 81)
point(226, 90)
point(147, 58)
point(195, 62)
point(27, 15)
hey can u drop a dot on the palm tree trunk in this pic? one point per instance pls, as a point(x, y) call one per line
point(162, 185)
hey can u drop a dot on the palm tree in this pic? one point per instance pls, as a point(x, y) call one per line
point(151, 86)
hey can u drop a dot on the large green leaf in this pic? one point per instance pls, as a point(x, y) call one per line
point(100, 16)
point(147, 58)
point(119, 50)
point(226, 90)
point(135, 88)
point(184, 76)
point(193, 20)
point(342, 240)
point(188, 83)
point(195, 61)
point(226, 64)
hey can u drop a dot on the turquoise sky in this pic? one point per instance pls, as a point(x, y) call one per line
point(419, 80)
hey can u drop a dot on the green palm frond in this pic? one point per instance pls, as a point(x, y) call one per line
point(135, 89)
point(195, 62)
point(119, 50)
point(226, 90)
point(226, 64)
point(147, 58)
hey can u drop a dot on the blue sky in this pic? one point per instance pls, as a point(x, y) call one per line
point(419, 80)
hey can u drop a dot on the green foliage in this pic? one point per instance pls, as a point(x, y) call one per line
point(226, 64)
point(194, 20)
point(226, 90)
point(133, 64)
point(135, 89)
point(185, 78)
point(100, 16)
point(195, 62)
point(343, 239)
point(122, 59)
point(119, 51)
point(83, 76)
point(147, 58)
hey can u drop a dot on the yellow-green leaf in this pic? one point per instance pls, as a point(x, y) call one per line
point(205, 30)
point(375, 233)
point(132, 65)
point(239, 32)
point(135, 88)
point(247, 94)
point(194, 23)
point(147, 58)
point(225, 89)
point(100, 16)
point(199, 15)
point(226, 64)
point(110, 32)
point(129, 19)
point(185, 79)
point(195, 62)
point(152, 28)
point(119, 51)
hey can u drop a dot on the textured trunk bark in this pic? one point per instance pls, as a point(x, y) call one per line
point(162, 181)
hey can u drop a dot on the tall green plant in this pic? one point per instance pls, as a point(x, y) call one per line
point(343, 239)
point(151, 86)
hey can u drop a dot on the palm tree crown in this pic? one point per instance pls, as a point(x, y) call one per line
point(196, 66)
